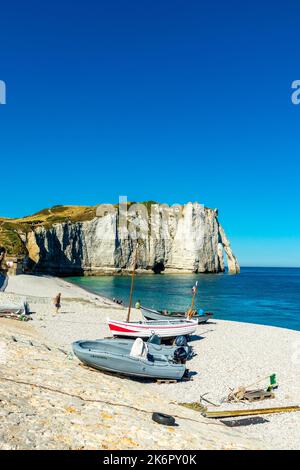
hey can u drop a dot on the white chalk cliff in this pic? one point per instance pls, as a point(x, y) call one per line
point(183, 239)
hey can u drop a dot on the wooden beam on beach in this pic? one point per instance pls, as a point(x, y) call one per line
point(249, 412)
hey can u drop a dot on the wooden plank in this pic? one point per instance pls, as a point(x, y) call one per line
point(256, 411)
point(162, 381)
point(256, 395)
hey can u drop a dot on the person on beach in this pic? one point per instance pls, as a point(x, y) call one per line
point(57, 302)
point(138, 304)
point(2, 257)
point(3, 269)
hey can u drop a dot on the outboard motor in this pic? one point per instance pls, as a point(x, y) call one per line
point(180, 355)
point(181, 341)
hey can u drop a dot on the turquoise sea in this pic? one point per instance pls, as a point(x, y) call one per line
point(269, 296)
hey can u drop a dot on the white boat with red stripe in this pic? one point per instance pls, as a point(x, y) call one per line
point(163, 328)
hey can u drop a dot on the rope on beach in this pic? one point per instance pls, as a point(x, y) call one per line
point(39, 345)
point(90, 400)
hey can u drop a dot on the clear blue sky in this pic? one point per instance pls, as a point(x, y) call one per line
point(173, 101)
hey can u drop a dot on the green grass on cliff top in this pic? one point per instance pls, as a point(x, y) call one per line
point(10, 229)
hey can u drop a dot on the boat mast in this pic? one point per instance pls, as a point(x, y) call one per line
point(190, 311)
point(132, 284)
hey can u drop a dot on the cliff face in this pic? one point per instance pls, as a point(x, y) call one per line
point(171, 239)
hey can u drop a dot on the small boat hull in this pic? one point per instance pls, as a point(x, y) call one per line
point(163, 328)
point(14, 309)
point(111, 356)
point(150, 314)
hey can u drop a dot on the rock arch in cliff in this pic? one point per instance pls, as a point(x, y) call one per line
point(224, 247)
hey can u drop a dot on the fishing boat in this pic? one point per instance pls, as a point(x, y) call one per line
point(191, 313)
point(11, 309)
point(14, 309)
point(130, 358)
point(164, 328)
point(151, 314)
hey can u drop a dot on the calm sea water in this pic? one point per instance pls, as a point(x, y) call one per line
point(269, 296)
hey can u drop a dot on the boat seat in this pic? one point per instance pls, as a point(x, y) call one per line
point(139, 349)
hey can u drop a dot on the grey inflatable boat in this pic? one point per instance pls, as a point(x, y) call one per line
point(155, 346)
point(133, 358)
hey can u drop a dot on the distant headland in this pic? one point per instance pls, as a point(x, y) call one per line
point(90, 240)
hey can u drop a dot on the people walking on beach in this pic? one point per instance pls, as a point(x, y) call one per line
point(57, 302)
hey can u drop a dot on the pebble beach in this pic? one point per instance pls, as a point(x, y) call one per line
point(228, 355)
